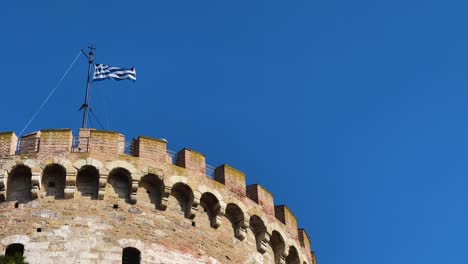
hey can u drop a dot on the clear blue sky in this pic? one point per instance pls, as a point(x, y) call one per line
point(353, 113)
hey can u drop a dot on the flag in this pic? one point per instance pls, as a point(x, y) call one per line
point(102, 72)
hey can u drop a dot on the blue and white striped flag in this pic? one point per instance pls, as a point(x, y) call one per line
point(102, 72)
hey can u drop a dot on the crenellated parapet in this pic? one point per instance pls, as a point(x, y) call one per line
point(262, 197)
point(233, 180)
point(285, 216)
point(103, 165)
point(8, 143)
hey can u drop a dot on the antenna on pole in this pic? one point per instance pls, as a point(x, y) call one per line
point(85, 105)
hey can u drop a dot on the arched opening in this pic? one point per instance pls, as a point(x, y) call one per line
point(119, 182)
point(131, 255)
point(236, 217)
point(184, 195)
point(259, 229)
point(14, 249)
point(153, 188)
point(87, 181)
point(277, 245)
point(19, 184)
point(211, 205)
point(293, 256)
point(53, 180)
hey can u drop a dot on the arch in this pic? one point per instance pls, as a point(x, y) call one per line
point(14, 249)
point(235, 215)
point(240, 204)
point(260, 231)
point(212, 207)
point(119, 183)
point(67, 164)
point(90, 162)
point(257, 211)
point(19, 184)
point(278, 246)
point(121, 164)
point(153, 187)
point(293, 256)
point(184, 195)
point(131, 255)
point(53, 180)
point(87, 181)
point(11, 164)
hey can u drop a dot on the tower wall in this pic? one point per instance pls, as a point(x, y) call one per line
point(93, 196)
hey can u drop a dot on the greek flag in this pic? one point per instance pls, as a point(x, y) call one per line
point(102, 72)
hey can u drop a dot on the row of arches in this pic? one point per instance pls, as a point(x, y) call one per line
point(130, 255)
point(152, 189)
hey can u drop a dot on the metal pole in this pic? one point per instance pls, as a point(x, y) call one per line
point(85, 106)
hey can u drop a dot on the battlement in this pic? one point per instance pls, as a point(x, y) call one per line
point(93, 163)
point(8, 143)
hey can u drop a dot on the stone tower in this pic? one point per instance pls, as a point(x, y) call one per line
point(98, 198)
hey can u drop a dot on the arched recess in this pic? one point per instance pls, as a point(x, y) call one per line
point(153, 191)
point(70, 174)
point(278, 246)
point(119, 183)
point(14, 249)
point(53, 180)
point(87, 181)
point(131, 255)
point(260, 231)
point(116, 164)
point(19, 184)
point(293, 256)
point(212, 207)
point(236, 216)
point(184, 195)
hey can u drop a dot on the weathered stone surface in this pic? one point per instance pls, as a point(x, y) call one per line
point(32, 204)
point(134, 210)
point(45, 214)
point(91, 202)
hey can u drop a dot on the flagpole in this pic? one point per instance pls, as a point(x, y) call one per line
point(85, 105)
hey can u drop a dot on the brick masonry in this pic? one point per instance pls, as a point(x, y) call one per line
point(170, 213)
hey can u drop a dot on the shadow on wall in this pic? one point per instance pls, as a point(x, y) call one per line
point(19, 184)
point(151, 189)
point(235, 215)
point(211, 205)
point(259, 229)
point(154, 188)
point(293, 256)
point(14, 249)
point(184, 195)
point(131, 255)
point(87, 181)
point(119, 183)
point(278, 246)
point(53, 181)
